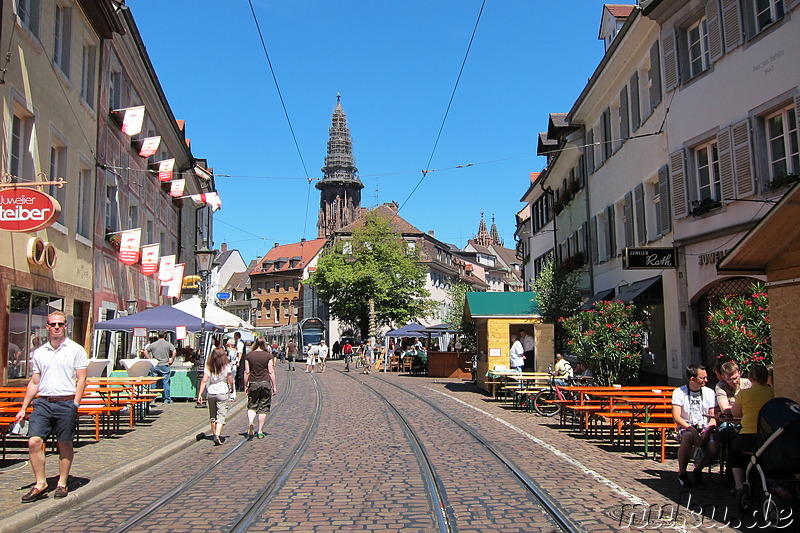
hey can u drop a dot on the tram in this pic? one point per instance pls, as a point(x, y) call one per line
point(312, 330)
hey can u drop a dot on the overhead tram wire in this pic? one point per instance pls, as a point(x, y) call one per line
point(283, 105)
point(447, 111)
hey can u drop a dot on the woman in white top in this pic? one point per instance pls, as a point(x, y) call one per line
point(516, 359)
point(219, 379)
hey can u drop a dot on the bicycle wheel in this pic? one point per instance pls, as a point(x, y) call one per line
point(359, 362)
point(541, 405)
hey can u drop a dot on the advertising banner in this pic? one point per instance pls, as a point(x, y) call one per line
point(165, 269)
point(132, 123)
point(129, 246)
point(150, 259)
point(165, 169)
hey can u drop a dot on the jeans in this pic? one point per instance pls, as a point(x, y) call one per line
point(163, 370)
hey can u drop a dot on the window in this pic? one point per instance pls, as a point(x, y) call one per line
point(58, 169)
point(782, 143)
point(286, 308)
point(133, 217)
point(706, 161)
point(295, 308)
point(277, 286)
point(62, 34)
point(115, 90)
point(111, 208)
point(28, 13)
point(697, 47)
point(20, 156)
point(88, 66)
point(83, 224)
point(765, 12)
point(149, 232)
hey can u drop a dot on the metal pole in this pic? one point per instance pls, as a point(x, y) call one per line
point(201, 371)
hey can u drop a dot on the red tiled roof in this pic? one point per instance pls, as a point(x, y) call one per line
point(305, 250)
point(388, 211)
point(534, 176)
point(620, 11)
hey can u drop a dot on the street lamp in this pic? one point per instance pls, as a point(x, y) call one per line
point(254, 305)
point(204, 257)
point(132, 305)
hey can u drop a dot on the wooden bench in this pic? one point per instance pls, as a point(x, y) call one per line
point(662, 428)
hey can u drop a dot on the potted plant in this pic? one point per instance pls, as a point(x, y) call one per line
point(701, 207)
point(113, 238)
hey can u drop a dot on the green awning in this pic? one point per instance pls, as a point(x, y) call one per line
point(502, 304)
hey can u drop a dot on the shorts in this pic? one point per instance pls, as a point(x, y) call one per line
point(311, 360)
point(218, 407)
point(53, 417)
point(259, 396)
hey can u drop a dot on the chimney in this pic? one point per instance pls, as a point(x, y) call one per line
point(223, 247)
point(303, 239)
point(430, 232)
point(276, 245)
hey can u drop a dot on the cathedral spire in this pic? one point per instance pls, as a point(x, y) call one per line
point(340, 188)
point(495, 234)
point(483, 238)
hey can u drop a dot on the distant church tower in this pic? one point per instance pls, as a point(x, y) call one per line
point(484, 237)
point(340, 189)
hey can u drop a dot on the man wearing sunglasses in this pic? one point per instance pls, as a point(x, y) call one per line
point(59, 378)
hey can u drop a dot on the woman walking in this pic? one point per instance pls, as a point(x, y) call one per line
point(259, 385)
point(219, 380)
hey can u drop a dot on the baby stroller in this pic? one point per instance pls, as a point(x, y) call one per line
point(770, 479)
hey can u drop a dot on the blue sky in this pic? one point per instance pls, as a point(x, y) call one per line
point(395, 65)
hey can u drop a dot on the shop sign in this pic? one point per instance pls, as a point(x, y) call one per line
point(643, 258)
point(24, 210)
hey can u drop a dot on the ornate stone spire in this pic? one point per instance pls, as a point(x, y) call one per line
point(495, 234)
point(483, 238)
point(340, 188)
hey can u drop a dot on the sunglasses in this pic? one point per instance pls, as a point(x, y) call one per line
point(56, 324)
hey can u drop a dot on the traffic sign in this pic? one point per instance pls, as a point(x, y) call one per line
point(223, 295)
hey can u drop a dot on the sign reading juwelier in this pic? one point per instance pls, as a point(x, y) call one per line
point(643, 258)
point(24, 210)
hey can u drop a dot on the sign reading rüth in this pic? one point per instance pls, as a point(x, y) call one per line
point(25, 210)
point(649, 258)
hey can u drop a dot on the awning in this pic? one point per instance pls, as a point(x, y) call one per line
point(635, 289)
point(602, 295)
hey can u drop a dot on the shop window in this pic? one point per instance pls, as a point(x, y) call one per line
point(26, 327)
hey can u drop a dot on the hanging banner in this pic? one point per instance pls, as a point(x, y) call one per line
point(134, 118)
point(129, 246)
point(150, 259)
point(166, 267)
point(209, 198)
point(176, 190)
point(149, 146)
point(165, 169)
point(172, 289)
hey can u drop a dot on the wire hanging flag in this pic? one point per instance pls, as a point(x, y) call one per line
point(211, 199)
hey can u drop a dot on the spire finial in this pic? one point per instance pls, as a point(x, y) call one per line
point(338, 97)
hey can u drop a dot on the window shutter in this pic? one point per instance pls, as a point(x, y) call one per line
point(628, 210)
point(791, 4)
point(590, 150)
point(611, 241)
point(594, 250)
point(677, 171)
point(624, 128)
point(714, 30)
point(641, 222)
point(581, 172)
point(663, 200)
point(669, 49)
point(731, 24)
point(742, 159)
point(725, 165)
point(635, 114)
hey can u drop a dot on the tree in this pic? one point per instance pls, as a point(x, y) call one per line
point(557, 295)
point(739, 328)
point(608, 338)
point(457, 295)
point(376, 265)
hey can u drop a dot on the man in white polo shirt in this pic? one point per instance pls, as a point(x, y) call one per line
point(59, 378)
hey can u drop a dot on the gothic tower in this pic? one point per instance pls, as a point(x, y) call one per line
point(340, 188)
point(485, 237)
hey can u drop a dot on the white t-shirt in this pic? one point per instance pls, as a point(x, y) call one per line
point(516, 354)
point(527, 343)
point(56, 368)
point(323, 351)
point(563, 369)
point(218, 383)
point(694, 404)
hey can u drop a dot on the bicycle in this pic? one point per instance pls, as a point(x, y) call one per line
point(361, 361)
point(550, 401)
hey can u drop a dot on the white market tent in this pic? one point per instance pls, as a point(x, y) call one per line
point(214, 314)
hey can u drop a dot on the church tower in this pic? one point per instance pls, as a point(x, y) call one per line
point(485, 237)
point(340, 188)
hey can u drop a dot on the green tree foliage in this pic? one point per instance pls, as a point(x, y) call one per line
point(608, 338)
point(457, 295)
point(739, 327)
point(557, 295)
point(375, 264)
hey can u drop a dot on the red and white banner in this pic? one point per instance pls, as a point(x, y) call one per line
point(150, 146)
point(129, 246)
point(165, 269)
point(177, 187)
point(165, 169)
point(172, 289)
point(150, 259)
point(134, 117)
point(209, 198)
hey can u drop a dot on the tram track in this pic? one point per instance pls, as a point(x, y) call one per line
point(439, 496)
point(265, 494)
